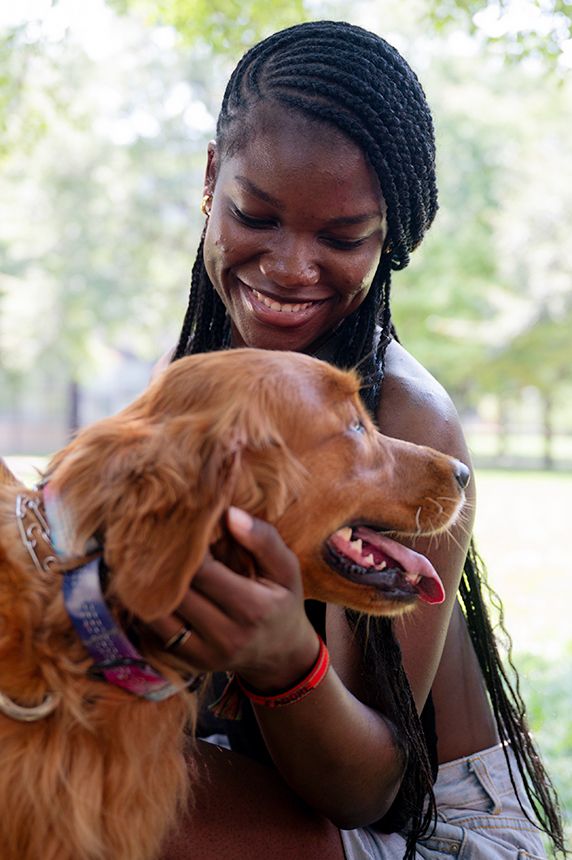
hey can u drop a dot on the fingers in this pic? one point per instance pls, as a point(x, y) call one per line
point(208, 638)
point(238, 622)
point(273, 556)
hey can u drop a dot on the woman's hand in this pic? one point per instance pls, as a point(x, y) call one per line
point(336, 753)
point(256, 627)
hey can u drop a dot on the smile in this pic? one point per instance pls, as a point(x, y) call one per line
point(286, 308)
point(283, 307)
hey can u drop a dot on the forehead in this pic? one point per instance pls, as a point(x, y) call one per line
point(286, 148)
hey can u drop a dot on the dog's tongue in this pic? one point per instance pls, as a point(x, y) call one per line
point(430, 587)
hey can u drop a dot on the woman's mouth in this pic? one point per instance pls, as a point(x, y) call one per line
point(282, 307)
point(271, 311)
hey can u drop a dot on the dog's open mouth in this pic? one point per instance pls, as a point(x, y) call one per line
point(366, 557)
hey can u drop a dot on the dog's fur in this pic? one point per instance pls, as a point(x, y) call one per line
point(277, 434)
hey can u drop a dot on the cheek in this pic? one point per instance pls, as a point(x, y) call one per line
point(358, 274)
point(369, 266)
point(225, 245)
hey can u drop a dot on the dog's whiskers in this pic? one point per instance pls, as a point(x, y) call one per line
point(439, 507)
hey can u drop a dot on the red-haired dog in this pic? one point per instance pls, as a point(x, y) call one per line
point(88, 770)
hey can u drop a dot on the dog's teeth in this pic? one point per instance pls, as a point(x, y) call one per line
point(413, 578)
point(357, 544)
point(382, 565)
point(369, 560)
point(345, 533)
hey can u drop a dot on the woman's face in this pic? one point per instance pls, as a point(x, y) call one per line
point(295, 232)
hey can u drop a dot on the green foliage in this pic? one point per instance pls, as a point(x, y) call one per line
point(97, 212)
point(486, 301)
point(546, 686)
point(230, 26)
point(227, 26)
point(541, 32)
point(103, 162)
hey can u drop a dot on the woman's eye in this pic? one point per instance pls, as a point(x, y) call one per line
point(357, 426)
point(344, 244)
point(255, 223)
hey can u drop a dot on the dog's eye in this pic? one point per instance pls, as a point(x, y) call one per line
point(357, 426)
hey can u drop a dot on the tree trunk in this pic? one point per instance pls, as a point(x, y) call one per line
point(502, 428)
point(547, 429)
point(74, 401)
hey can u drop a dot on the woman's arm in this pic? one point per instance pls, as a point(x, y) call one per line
point(414, 407)
point(337, 754)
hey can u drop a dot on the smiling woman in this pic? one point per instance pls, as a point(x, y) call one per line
point(296, 230)
point(320, 184)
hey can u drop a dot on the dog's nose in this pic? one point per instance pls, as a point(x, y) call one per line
point(462, 474)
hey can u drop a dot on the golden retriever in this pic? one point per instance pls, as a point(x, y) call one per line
point(101, 775)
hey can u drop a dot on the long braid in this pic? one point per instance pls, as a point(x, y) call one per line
point(206, 326)
point(343, 76)
point(507, 704)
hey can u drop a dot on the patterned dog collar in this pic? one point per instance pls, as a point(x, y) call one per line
point(116, 660)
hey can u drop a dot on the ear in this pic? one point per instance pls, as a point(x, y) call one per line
point(211, 168)
point(155, 495)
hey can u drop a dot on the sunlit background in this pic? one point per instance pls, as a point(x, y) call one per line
point(105, 112)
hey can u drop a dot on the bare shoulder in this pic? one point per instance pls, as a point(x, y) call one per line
point(416, 408)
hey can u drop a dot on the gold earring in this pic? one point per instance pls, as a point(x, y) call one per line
point(206, 205)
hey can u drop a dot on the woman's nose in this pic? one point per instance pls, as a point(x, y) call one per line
point(290, 264)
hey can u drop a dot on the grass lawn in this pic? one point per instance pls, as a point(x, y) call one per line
point(522, 531)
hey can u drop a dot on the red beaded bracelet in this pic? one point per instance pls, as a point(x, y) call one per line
point(300, 690)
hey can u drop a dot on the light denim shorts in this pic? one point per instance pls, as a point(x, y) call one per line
point(478, 817)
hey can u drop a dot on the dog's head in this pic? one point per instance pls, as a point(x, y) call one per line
point(281, 435)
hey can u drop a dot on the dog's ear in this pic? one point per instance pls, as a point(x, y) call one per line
point(154, 494)
point(152, 483)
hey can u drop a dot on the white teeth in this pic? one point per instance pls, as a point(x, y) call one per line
point(357, 544)
point(278, 306)
point(345, 533)
point(381, 566)
point(369, 560)
point(413, 578)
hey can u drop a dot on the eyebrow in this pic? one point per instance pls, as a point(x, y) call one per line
point(342, 221)
point(258, 192)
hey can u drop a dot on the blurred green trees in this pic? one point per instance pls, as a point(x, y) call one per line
point(527, 28)
point(102, 153)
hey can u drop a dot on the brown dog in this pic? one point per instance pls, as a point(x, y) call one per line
point(283, 436)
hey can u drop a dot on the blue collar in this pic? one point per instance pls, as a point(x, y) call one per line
point(116, 660)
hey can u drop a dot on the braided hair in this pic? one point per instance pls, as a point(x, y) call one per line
point(350, 79)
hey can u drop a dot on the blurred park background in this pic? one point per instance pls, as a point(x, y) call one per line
point(105, 112)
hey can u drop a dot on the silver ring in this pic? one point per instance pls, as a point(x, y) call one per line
point(179, 638)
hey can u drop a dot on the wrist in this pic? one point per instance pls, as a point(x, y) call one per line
point(282, 674)
point(295, 692)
